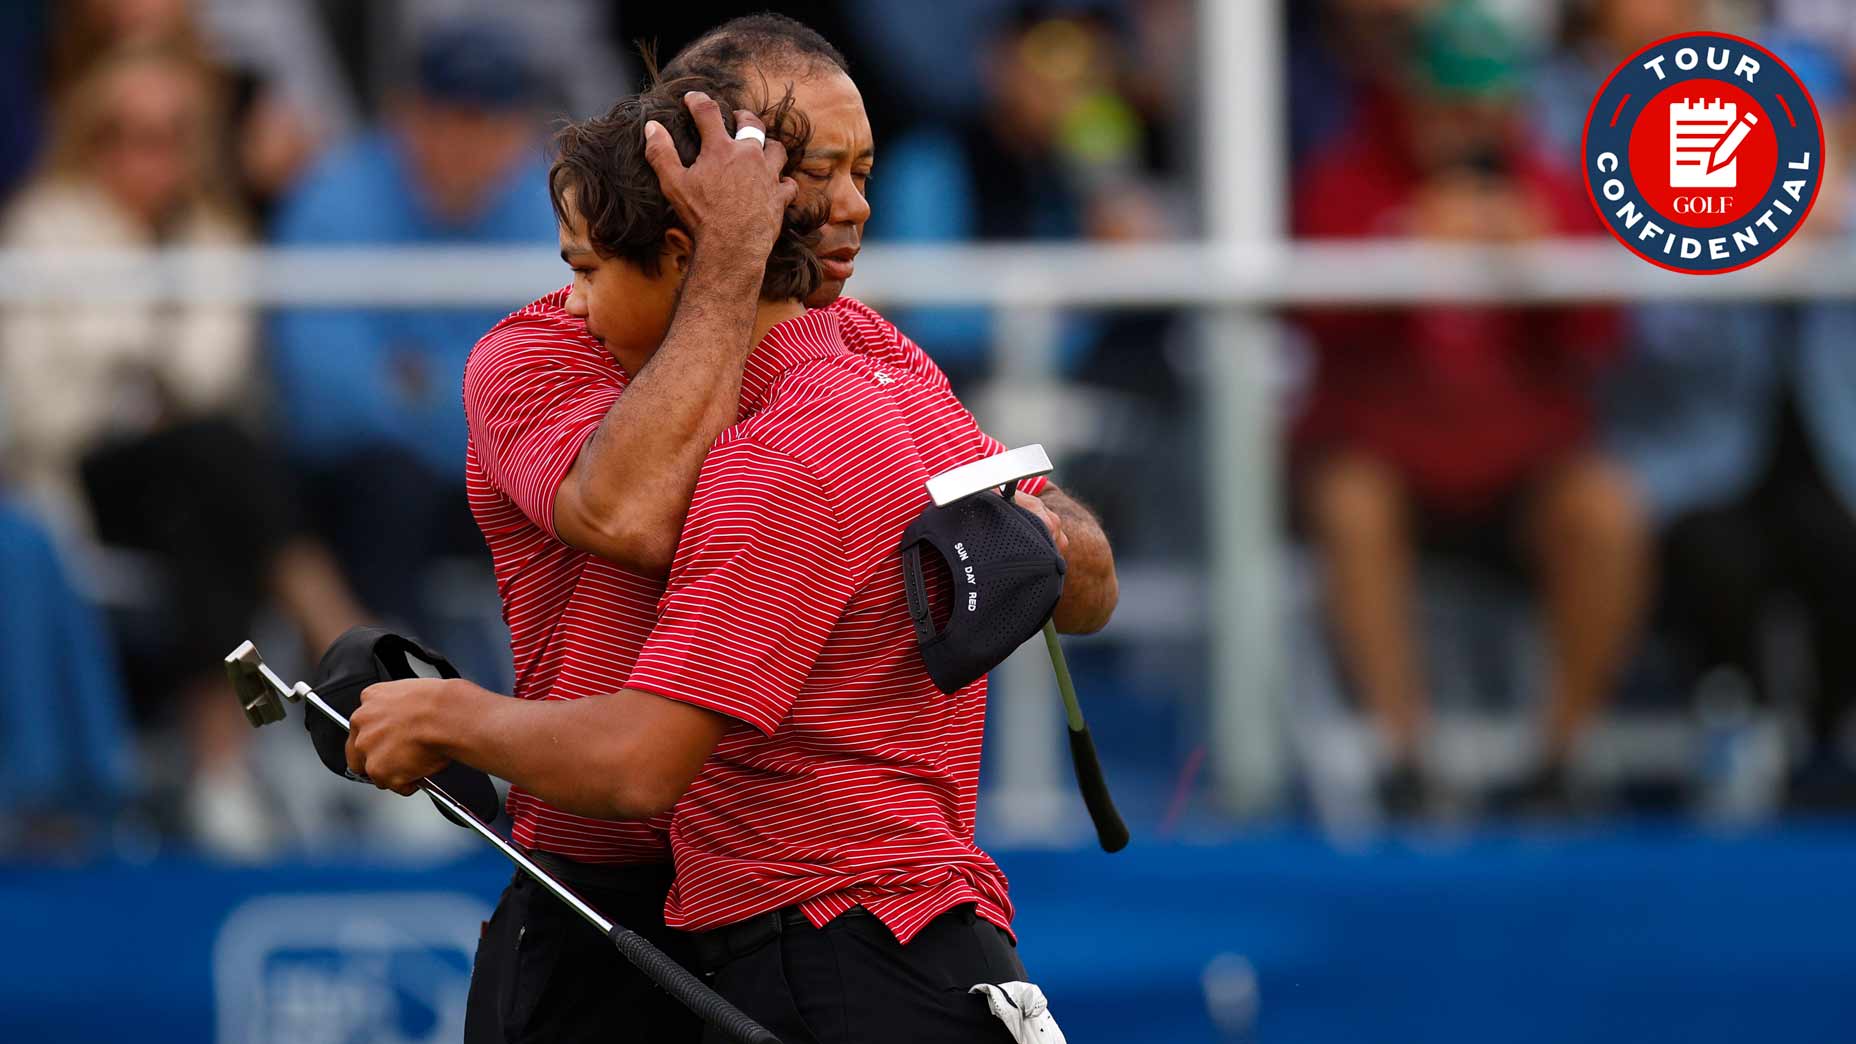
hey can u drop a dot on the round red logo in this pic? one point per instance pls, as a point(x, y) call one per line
point(1703, 153)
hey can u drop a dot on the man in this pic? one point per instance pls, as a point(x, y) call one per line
point(370, 396)
point(581, 494)
point(825, 789)
point(1459, 429)
point(630, 492)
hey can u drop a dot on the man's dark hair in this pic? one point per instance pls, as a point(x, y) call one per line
point(601, 162)
point(768, 42)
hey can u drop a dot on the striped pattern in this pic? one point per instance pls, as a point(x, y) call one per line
point(535, 389)
point(903, 770)
point(851, 779)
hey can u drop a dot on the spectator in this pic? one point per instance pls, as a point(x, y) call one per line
point(284, 98)
point(86, 31)
point(1464, 429)
point(374, 416)
point(1055, 153)
point(1689, 413)
point(1741, 430)
point(590, 63)
point(1595, 35)
point(66, 761)
point(1345, 57)
point(121, 413)
point(1162, 74)
point(23, 32)
point(1747, 456)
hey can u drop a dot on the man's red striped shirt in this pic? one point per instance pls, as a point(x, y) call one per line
point(848, 778)
point(536, 389)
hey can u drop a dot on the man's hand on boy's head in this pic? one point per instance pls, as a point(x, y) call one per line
point(733, 193)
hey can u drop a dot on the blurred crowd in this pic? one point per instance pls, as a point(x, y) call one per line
point(176, 478)
point(1679, 479)
point(1664, 477)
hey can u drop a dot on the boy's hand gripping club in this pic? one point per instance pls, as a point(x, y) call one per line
point(261, 694)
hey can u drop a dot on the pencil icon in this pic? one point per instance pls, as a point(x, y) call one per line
point(1724, 154)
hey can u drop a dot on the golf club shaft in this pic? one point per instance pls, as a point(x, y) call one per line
point(1065, 687)
point(456, 808)
point(675, 979)
point(1111, 832)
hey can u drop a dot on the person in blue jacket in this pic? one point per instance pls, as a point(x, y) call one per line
point(1740, 428)
point(67, 762)
point(369, 398)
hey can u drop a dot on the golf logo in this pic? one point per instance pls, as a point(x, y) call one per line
point(1703, 153)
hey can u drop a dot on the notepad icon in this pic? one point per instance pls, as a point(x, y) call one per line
point(1703, 138)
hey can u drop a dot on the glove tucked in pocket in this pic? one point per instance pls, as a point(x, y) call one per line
point(1023, 1009)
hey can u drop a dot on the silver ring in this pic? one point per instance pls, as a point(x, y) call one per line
point(754, 134)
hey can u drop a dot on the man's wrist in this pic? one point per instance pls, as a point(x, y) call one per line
point(448, 715)
point(730, 265)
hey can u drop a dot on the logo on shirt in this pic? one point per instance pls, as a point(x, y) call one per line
point(1703, 153)
point(881, 377)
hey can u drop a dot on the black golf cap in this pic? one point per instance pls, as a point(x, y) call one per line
point(1007, 578)
point(365, 656)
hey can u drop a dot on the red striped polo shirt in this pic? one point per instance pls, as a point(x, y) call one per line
point(847, 778)
point(535, 389)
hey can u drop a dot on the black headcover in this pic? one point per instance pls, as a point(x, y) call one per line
point(1007, 579)
point(362, 657)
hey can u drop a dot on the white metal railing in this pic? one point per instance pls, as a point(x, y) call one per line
point(1187, 274)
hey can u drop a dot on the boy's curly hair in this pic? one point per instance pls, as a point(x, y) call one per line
point(601, 162)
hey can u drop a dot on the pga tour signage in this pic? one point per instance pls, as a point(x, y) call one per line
point(1703, 153)
point(343, 968)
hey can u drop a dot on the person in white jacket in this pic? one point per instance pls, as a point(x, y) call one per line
point(122, 417)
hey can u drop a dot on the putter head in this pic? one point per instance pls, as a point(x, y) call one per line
point(260, 694)
point(989, 473)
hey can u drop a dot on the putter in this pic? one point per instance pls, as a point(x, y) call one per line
point(262, 696)
point(1007, 470)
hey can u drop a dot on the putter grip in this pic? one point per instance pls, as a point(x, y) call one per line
point(1110, 830)
point(677, 981)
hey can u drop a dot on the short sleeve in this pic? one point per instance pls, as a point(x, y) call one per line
point(758, 584)
point(869, 334)
point(531, 408)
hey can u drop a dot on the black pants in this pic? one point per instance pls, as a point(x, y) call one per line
point(1791, 535)
point(388, 516)
point(851, 981)
point(211, 504)
point(544, 974)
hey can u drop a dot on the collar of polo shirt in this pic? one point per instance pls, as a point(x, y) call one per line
point(790, 344)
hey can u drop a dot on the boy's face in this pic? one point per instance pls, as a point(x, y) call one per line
point(625, 310)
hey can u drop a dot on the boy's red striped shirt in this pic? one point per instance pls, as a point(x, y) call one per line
point(844, 420)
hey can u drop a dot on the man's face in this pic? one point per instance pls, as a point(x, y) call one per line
point(1452, 133)
point(625, 310)
point(460, 155)
point(837, 166)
